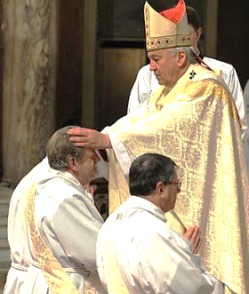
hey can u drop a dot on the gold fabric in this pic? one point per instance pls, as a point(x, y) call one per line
point(163, 33)
point(56, 277)
point(197, 125)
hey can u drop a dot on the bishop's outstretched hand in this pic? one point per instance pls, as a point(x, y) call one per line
point(84, 137)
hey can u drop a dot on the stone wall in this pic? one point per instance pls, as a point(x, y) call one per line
point(29, 83)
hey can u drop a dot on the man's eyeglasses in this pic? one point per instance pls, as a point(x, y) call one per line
point(178, 185)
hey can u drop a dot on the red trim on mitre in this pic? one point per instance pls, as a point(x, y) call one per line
point(176, 13)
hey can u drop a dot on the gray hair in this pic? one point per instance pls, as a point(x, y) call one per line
point(59, 149)
point(188, 51)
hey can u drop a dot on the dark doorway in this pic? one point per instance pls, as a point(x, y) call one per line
point(69, 62)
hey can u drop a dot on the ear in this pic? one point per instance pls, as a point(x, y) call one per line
point(182, 57)
point(198, 33)
point(72, 162)
point(160, 187)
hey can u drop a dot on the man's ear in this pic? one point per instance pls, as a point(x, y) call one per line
point(160, 187)
point(72, 162)
point(198, 33)
point(182, 57)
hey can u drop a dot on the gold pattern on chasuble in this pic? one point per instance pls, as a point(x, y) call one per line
point(200, 132)
point(174, 123)
point(202, 88)
point(118, 185)
point(192, 86)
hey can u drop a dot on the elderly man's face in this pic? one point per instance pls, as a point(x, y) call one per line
point(165, 66)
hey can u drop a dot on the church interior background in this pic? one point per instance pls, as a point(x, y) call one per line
point(98, 47)
point(75, 61)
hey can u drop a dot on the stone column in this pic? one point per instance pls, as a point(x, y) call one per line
point(28, 83)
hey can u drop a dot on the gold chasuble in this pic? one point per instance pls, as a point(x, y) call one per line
point(197, 125)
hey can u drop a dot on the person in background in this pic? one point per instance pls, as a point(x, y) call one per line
point(53, 223)
point(192, 118)
point(137, 252)
point(146, 82)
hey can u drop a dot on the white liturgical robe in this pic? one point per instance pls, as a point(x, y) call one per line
point(138, 253)
point(67, 220)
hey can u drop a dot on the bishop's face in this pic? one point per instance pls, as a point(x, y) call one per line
point(168, 65)
point(164, 66)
